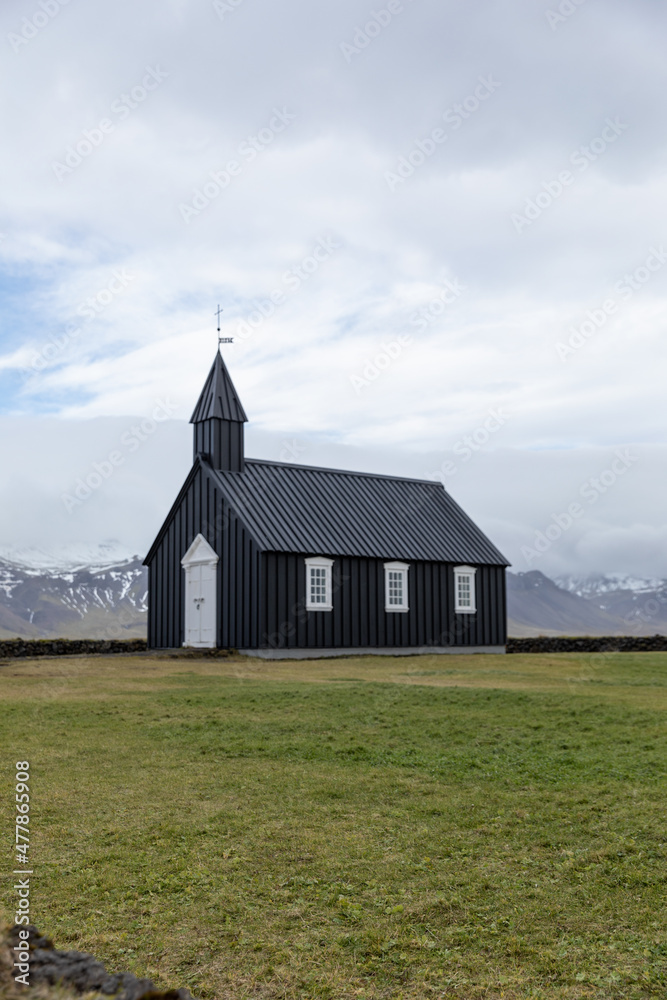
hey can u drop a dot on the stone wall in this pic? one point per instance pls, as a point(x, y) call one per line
point(13, 648)
point(10, 648)
point(589, 644)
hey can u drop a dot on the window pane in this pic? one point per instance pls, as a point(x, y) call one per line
point(464, 590)
point(395, 584)
point(318, 585)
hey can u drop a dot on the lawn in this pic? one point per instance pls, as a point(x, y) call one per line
point(469, 827)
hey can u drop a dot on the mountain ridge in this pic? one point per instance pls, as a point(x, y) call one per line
point(595, 605)
point(73, 601)
point(101, 593)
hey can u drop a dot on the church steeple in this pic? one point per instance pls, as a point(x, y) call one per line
point(218, 421)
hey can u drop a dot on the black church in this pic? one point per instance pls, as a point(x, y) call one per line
point(276, 559)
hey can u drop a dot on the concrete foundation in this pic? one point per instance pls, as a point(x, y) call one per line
point(320, 654)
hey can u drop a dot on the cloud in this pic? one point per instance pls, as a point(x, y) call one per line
point(116, 478)
point(146, 106)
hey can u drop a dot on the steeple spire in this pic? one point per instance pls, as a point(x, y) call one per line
point(218, 421)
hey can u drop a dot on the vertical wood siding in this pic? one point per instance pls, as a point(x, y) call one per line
point(359, 617)
point(202, 509)
point(222, 441)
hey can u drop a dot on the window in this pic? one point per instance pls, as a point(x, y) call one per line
point(318, 583)
point(396, 586)
point(464, 590)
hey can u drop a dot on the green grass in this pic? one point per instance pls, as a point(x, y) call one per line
point(426, 827)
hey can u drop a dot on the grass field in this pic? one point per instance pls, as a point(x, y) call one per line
point(465, 827)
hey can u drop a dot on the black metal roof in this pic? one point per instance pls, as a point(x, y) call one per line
point(218, 398)
point(334, 512)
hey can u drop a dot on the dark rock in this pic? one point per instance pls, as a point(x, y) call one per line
point(84, 974)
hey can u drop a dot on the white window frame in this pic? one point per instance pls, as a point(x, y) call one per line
point(460, 571)
point(402, 568)
point(319, 562)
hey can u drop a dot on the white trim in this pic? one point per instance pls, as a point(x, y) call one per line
point(319, 562)
point(402, 568)
point(459, 572)
point(200, 552)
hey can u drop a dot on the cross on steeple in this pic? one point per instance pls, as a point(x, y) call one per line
point(222, 340)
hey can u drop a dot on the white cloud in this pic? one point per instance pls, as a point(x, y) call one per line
point(324, 176)
point(515, 495)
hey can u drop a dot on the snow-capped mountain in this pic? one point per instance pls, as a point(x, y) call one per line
point(594, 605)
point(75, 593)
point(640, 604)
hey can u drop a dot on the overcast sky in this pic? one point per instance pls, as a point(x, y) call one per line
point(437, 231)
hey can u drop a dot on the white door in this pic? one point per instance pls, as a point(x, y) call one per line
point(200, 605)
point(200, 565)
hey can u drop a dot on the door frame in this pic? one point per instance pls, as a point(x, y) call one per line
point(200, 553)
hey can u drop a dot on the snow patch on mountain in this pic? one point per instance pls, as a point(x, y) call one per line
point(592, 587)
point(67, 558)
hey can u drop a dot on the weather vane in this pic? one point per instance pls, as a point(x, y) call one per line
point(222, 340)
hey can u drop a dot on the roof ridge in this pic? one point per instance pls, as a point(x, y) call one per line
point(344, 472)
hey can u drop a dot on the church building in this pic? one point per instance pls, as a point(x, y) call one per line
point(285, 560)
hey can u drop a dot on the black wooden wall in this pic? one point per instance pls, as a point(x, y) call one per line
point(202, 509)
point(358, 617)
